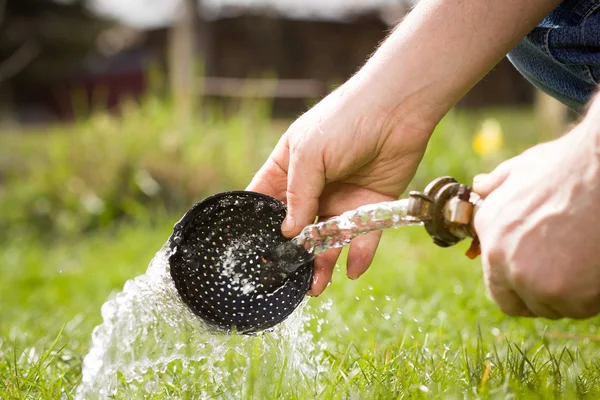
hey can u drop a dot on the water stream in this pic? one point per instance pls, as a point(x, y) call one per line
point(149, 341)
point(339, 231)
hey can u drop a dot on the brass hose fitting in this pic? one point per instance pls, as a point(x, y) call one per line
point(447, 209)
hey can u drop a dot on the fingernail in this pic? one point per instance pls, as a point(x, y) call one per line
point(353, 278)
point(288, 224)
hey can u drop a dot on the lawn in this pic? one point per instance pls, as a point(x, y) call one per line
point(418, 324)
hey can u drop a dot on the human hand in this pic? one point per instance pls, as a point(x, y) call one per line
point(539, 228)
point(347, 151)
point(363, 142)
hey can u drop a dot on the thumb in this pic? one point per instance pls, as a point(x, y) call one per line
point(306, 180)
point(484, 184)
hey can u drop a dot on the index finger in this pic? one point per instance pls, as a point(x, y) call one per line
point(271, 178)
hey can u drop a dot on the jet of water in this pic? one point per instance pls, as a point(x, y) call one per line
point(149, 336)
point(339, 231)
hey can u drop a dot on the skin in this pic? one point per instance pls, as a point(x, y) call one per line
point(363, 142)
point(542, 258)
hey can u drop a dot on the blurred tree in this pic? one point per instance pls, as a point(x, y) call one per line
point(55, 31)
point(42, 41)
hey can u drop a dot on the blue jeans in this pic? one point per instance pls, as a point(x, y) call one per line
point(561, 56)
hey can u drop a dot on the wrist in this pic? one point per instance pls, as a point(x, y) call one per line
point(440, 50)
point(375, 108)
point(398, 110)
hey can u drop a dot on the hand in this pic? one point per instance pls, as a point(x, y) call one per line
point(345, 152)
point(539, 228)
point(362, 143)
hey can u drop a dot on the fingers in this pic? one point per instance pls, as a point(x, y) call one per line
point(501, 291)
point(511, 291)
point(484, 184)
point(292, 175)
point(339, 197)
point(495, 262)
point(516, 299)
point(539, 309)
point(360, 256)
point(361, 253)
point(578, 309)
point(306, 180)
point(510, 303)
point(324, 265)
point(500, 281)
point(336, 199)
point(271, 179)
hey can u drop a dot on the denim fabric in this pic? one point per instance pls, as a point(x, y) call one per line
point(561, 56)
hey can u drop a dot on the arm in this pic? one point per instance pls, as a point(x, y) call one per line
point(362, 143)
point(442, 49)
point(593, 119)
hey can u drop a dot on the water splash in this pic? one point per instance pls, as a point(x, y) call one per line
point(150, 341)
point(339, 231)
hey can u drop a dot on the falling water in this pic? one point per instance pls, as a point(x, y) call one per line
point(150, 341)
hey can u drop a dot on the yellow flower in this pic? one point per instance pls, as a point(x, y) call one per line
point(489, 138)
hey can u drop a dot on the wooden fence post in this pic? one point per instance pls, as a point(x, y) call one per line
point(182, 51)
point(551, 115)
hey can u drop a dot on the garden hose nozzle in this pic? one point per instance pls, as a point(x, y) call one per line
point(447, 209)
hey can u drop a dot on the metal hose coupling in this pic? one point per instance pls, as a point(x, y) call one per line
point(447, 209)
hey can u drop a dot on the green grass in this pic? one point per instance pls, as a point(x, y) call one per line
point(418, 325)
point(436, 333)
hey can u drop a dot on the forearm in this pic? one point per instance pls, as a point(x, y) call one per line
point(442, 49)
point(592, 122)
point(593, 113)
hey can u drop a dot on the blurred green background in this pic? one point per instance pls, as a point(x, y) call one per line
point(114, 123)
point(61, 181)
